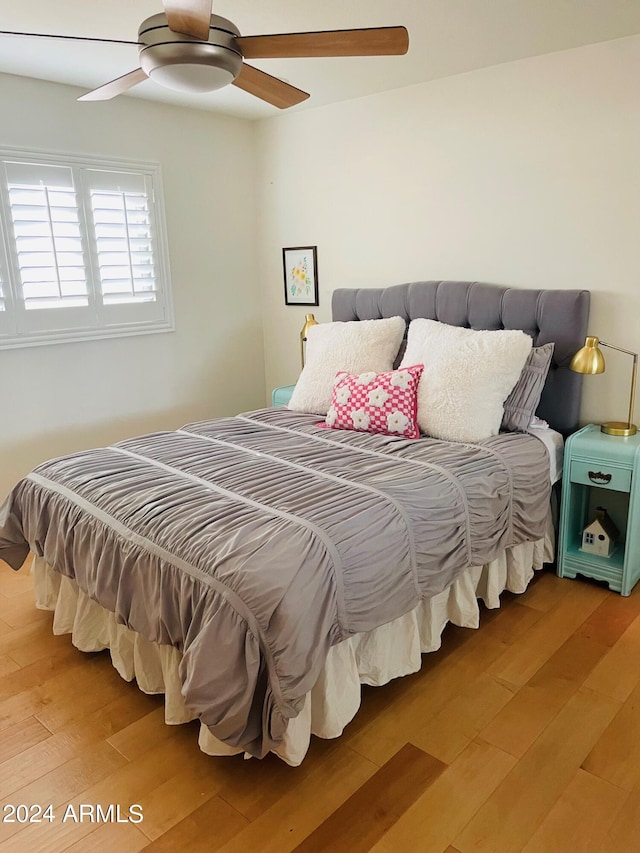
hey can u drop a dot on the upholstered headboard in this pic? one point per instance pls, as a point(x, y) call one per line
point(547, 315)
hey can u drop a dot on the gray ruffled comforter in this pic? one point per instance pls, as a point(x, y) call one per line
point(254, 543)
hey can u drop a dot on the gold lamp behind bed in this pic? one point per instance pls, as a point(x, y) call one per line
point(309, 321)
point(589, 359)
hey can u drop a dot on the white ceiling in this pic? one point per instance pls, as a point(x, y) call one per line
point(446, 37)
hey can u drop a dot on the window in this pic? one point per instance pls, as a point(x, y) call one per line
point(82, 249)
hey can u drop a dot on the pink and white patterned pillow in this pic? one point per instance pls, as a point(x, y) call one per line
point(384, 403)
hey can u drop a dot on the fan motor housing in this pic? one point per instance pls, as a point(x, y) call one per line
point(182, 62)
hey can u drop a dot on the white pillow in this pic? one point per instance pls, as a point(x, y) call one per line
point(466, 379)
point(355, 347)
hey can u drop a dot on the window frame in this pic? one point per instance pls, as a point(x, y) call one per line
point(22, 327)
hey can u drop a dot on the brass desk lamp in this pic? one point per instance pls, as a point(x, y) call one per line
point(589, 359)
point(309, 320)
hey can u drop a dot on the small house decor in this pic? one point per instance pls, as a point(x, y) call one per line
point(601, 535)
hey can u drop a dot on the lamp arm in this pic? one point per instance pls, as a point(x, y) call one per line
point(619, 349)
point(634, 373)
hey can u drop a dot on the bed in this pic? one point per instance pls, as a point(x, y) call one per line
point(258, 569)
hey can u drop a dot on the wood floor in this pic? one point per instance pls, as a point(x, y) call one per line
point(522, 736)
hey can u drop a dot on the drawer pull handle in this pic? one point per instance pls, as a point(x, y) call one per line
point(599, 477)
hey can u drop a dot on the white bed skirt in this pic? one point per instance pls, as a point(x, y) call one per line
point(372, 658)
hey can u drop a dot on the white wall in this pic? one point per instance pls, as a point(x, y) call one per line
point(526, 174)
point(59, 398)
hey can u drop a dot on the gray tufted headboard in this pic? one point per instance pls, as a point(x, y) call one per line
point(547, 315)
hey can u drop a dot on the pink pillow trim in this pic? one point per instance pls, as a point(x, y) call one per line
point(382, 403)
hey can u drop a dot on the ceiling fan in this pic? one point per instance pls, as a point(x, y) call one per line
point(189, 49)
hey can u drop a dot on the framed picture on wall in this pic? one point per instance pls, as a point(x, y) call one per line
point(300, 265)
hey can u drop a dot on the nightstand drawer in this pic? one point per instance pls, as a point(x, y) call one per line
point(602, 475)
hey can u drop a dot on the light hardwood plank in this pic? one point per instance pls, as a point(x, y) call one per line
point(616, 755)
point(624, 831)
point(142, 734)
point(508, 819)
point(117, 837)
point(534, 706)
point(19, 611)
point(13, 583)
point(544, 592)
point(35, 675)
point(205, 830)
point(437, 816)
point(611, 619)
point(463, 717)
point(43, 756)
point(63, 783)
point(369, 812)
point(17, 642)
point(618, 673)
point(175, 799)
point(84, 684)
point(126, 784)
point(520, 661)
point(295, 815)
point(583, 813)
point(92, 684)
point(439, 681)
point(252, 787)
point(21, 736)
point(7, 665)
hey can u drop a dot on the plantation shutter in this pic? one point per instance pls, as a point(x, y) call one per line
point(122, 214)
point(83, 249)
point(48, 241)
point(7, 322)
point(47, 247)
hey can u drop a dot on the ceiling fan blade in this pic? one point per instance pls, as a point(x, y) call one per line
point(191, 17)
point(377, 41)
point(115, 87)
point(268, 88)
point(70, 38)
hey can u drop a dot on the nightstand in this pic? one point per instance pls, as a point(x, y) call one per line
point(281, 396)
point(601, 471)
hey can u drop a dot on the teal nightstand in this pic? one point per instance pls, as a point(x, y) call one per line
point(281, 396)
point(601, 470)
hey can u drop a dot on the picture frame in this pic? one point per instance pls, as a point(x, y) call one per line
point(300, 267)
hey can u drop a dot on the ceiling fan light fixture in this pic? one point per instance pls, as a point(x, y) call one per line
point(191, 78)
point(187, 64)
point(191, 67)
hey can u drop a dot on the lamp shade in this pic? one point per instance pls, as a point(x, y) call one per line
point(309, 321)
point(589, 358)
